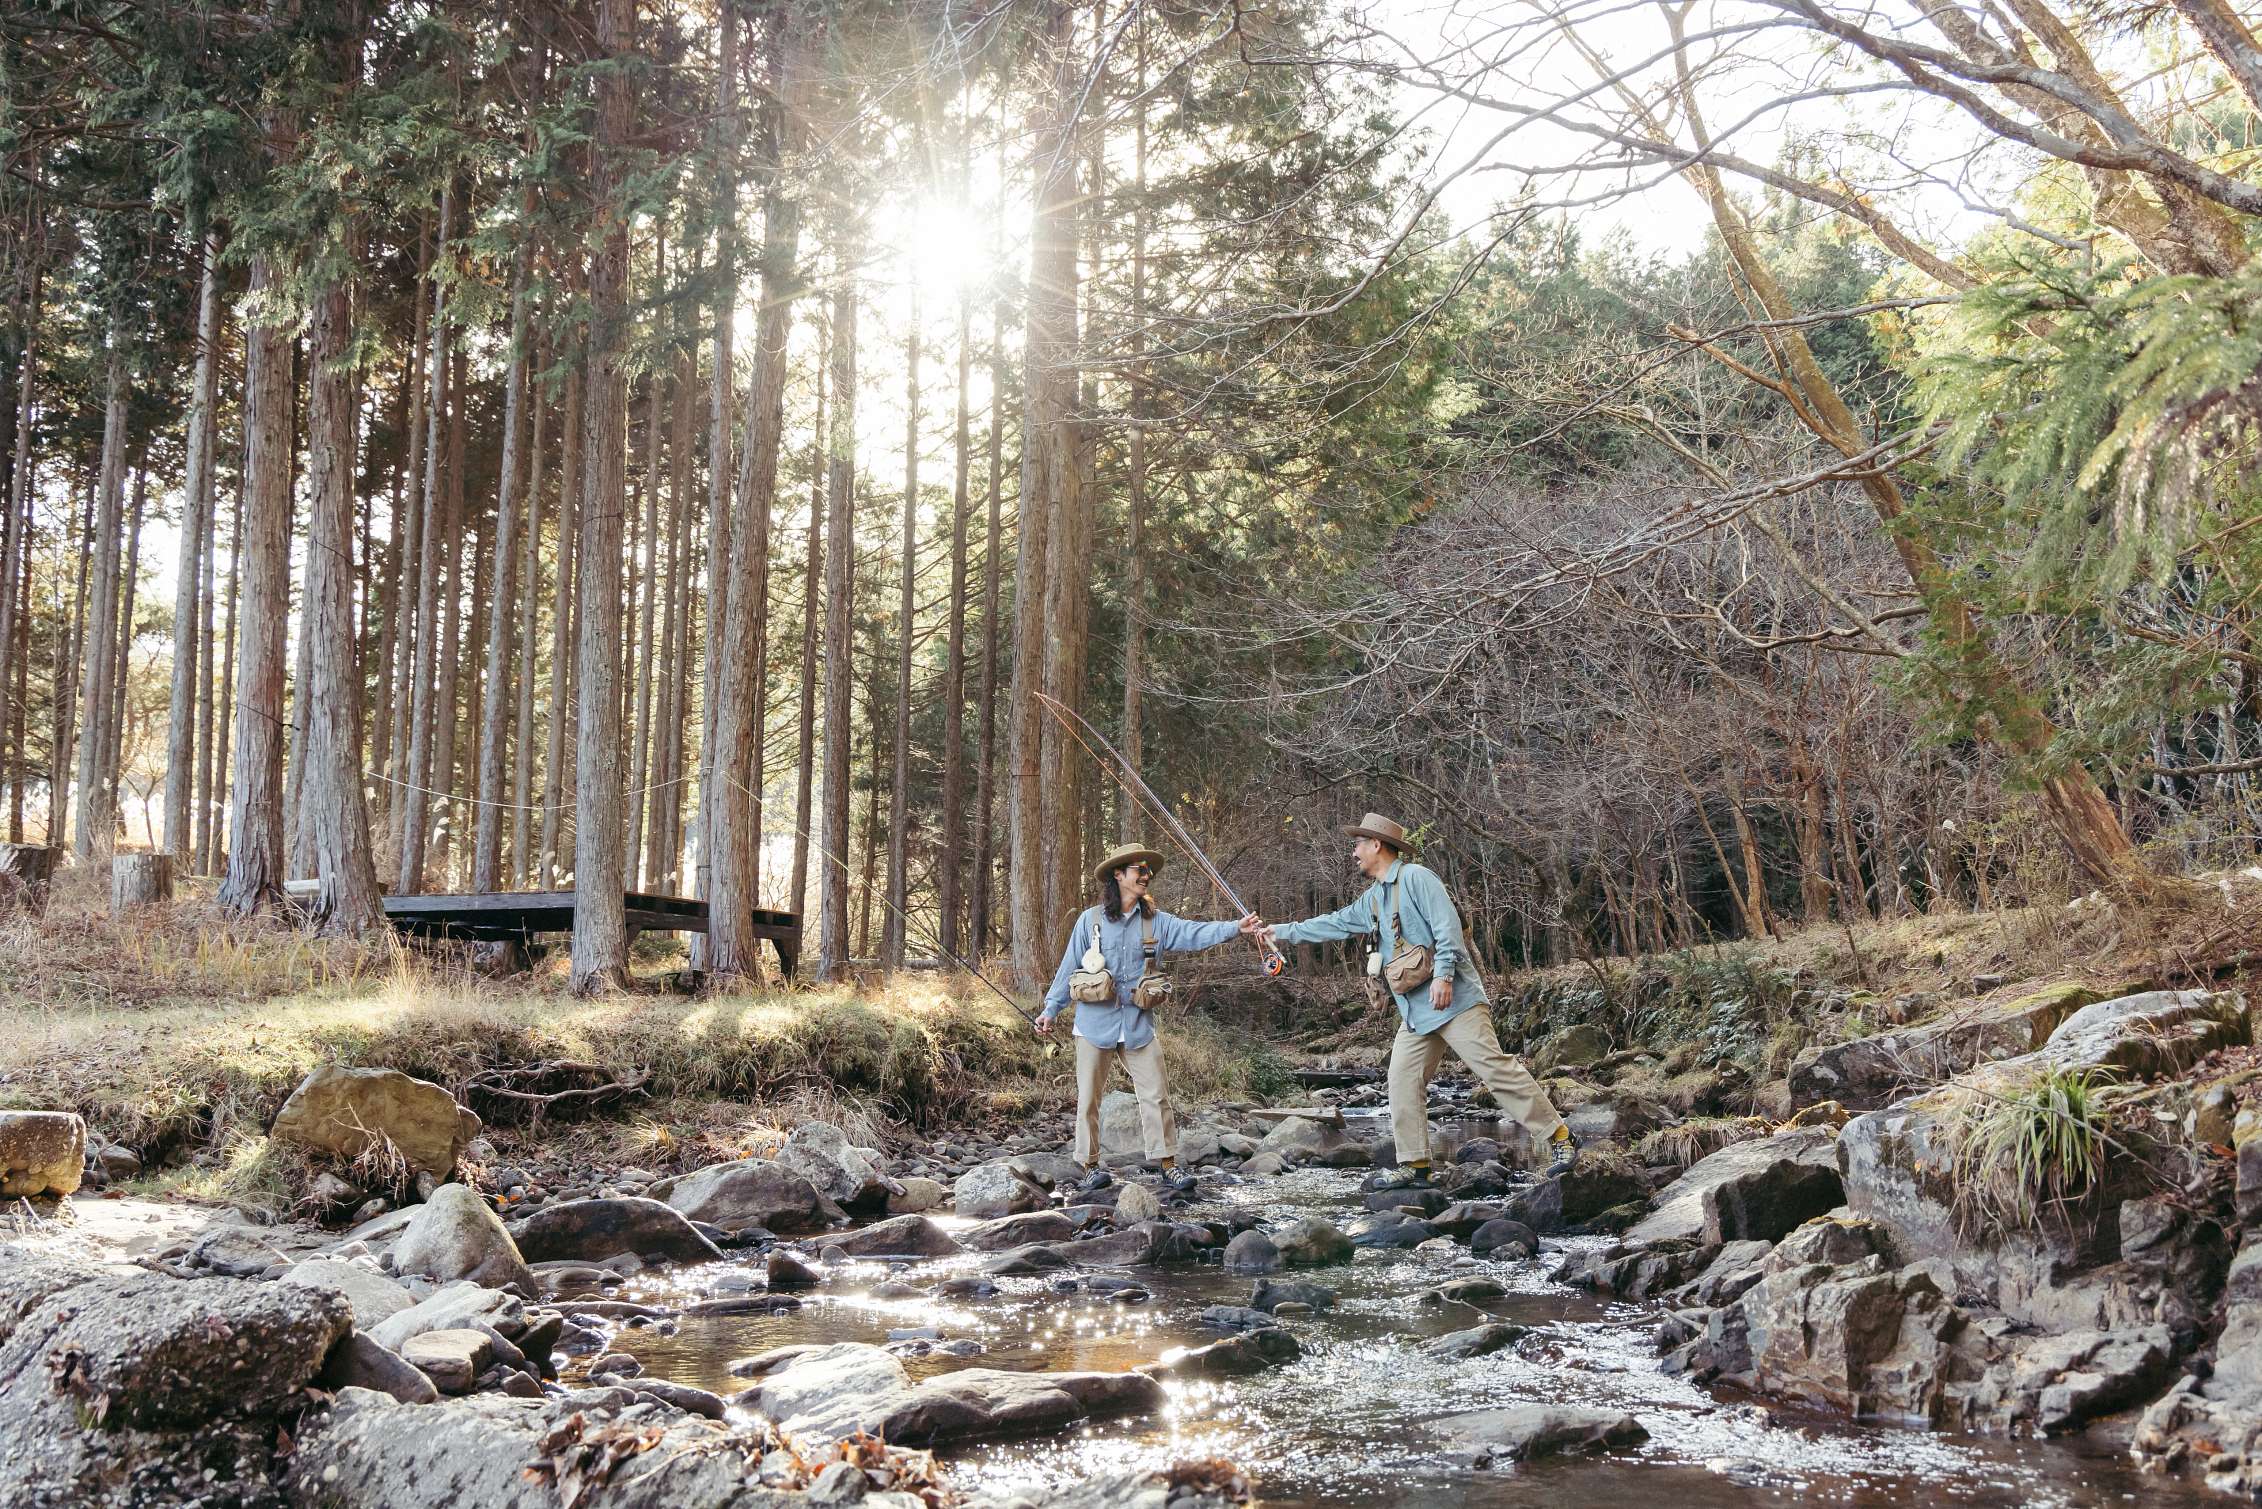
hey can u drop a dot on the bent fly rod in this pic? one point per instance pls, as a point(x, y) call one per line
point(1134, 787)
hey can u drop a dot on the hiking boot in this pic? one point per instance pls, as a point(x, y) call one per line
point(1178, 1180)
point(1562, 1154)
point(1406, 1178)
point(1098, 1178)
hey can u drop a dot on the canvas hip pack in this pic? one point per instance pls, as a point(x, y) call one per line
point(1408, 967)
point(1154, 988)
point(1094, 984)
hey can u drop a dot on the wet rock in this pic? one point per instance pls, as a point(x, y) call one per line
point(349, 1112)
point(821, 1153)
point(1252, 1252)
point(899, 1236)
point(1635, 1272)
point(458, 1304)
point(839, 1390)
point(593, 1231)
point(1018, 1231)
point(1868, 1072)
point(1349, 1155)
point(914, 1196)
point(1529, 1431)
point(359, 1362)
point(1022, 1262)
point(992, 1190)
point(1389, 1230)
point(1420, 1202)
point(1264, 1165)
point(1602, 1179)
point(748, 1192)
point(1748, 1191)
point(1464, 1291)
point(788, 1272)
point(1252, 1351)
point(41, 1153)
point(1120, 1249)
point(1477, 1341)
point(1497, 1238)
point(683, 1396)
point(451, 1359)
point(373, 1297)
point(615, 1365)
point(455, 1235)
point(1270, 1294)
point(1731, 1273)
point(1234, 1318)
point(1462, 1219)
point(1311, 1243)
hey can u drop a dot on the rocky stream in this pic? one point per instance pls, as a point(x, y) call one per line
point(1794, 1315)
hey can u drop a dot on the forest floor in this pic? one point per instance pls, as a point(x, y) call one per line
point(178, 1034)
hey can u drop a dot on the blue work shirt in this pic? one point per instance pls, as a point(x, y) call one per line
point(1124, 1025)
point(1432, 922)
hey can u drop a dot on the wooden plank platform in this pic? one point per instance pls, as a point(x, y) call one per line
point(519, 916)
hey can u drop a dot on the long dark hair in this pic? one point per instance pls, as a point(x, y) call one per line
point(1111, 899)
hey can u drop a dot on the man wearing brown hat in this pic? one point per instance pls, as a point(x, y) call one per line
point(1120, 942)
point(1424, 963)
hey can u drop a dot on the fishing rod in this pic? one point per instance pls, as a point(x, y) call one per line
point(1127, 777)
point(932, 941)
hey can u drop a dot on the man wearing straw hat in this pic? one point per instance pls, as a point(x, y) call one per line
point(1118, 943)
point(1423, 962)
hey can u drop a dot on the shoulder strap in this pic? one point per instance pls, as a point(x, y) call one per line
point(1147, 926)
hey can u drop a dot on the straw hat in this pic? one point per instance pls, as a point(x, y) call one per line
point(1128, 854)
point(1375, 825)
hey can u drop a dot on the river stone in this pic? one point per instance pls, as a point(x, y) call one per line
point(1572, 1047)
point(1022, 1262)
point(914, 1196)
point(1120, 1135)
point(990, 1190)
point(1301, 1135)
point(375, 1298)
point(836, 1391)
point(359, 1362)
point(1049, 1170)
point(899, 1236)
point(1311, 1243)
point(1018, 1231)
point(1270, 1294)
point(1252, 1351)
point(821, 1153)
point(41, 1153)
point(1119, 1249)
point(1389, 1229)
point(1498, 1236)
point(590, 1231)
point(452, 1359)
point(234, 1251)
point(460, 1304)
point(1477, 1341)
point(1869, 1072)
point(1252, 1252)
point(349, 1112)
point(1138, 1203)
point(1264, 1165)
point(785, 1271)
point(1775, 1182)
point(1527, 1431)
point(1420, 1202)
point(455, 1235)
point(748, 1192)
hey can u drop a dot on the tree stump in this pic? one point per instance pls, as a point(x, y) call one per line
point(26, 872)
point(139, 879)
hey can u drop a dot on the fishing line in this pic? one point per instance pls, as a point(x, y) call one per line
point(1128, 778)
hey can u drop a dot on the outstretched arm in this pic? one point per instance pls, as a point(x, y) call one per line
point(1352, 921)
point(1179, 935)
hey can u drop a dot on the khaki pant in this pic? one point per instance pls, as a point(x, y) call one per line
point(1414, 1057)
point(1158, 1122)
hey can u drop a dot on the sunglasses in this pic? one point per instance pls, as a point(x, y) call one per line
point(1141, 871)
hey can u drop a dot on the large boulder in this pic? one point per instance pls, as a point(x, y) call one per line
point(590, 1231)
point(1748, 1191)
point(150, 1391)
point(749, 1192)
point(374, 1298)
point(455, 1235)
point(821, 1153)
point(1120, 1136)
point(350, 1112)
point(1572, 1047)
point(836, 1391)
point(41, 1153)
point(1303, 1135)
point(996, 1188)
point(1603, 1179)
point(898, 1236)
point(1018, 1231)
point(1869, 1072)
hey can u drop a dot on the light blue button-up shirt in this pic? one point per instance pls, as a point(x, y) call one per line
point(1124, 945)
point(1432, 922)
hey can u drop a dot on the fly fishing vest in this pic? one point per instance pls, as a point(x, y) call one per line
point(1094, 984)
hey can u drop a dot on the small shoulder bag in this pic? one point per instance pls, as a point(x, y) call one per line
point(1408, 969)
point(1154, 988)
point(1093, 985)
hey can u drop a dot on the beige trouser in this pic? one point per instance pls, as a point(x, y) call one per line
point(1414, 1057)
point(1158, 1123)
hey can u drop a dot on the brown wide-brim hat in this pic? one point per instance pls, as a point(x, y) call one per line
point(1129, 854)
point(1375, 825)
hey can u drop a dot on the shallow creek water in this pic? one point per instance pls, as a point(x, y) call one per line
point(1344, 1425)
